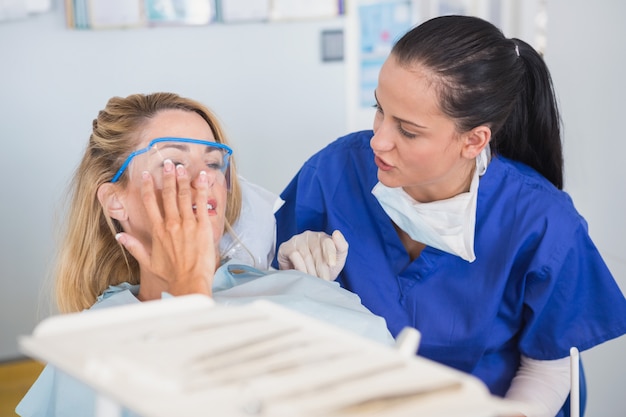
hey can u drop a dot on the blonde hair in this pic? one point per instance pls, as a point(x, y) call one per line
point(89, 258)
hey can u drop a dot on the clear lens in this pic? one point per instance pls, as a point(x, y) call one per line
point(195, 157)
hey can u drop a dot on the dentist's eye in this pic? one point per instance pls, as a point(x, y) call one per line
point(406, 134)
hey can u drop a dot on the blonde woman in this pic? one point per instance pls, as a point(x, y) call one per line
point(149, 204)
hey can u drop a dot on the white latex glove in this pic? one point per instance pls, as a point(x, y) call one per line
point(315, 253)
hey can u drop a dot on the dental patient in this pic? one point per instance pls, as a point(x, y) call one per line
point(154, 195)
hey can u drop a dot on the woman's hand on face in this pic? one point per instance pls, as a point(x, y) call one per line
point(183, 256)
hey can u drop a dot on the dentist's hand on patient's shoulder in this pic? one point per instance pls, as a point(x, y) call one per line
point(315, 253)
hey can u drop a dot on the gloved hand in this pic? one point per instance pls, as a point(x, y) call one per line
point(315, 253)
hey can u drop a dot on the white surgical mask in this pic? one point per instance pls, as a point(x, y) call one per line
point(447, 225)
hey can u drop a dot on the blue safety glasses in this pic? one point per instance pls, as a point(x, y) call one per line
point(193, 154)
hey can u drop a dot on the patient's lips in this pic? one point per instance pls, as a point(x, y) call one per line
point(211, 207)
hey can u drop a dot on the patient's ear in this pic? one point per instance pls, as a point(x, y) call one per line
point(109, 197)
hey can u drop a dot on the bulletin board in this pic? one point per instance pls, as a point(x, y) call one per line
point(373, 26)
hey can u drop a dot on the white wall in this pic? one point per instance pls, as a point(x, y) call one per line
point(277, 100)
point(587, 56)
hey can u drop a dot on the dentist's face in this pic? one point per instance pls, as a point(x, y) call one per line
point(416, 145)
point(178, 124)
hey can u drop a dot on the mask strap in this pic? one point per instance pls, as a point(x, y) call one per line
point(483, 159)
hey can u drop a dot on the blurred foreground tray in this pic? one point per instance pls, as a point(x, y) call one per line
point(188, 356)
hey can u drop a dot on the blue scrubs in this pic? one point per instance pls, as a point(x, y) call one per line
point(56, 394)
point(538, 285)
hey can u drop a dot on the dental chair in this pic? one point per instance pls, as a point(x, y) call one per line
point(254, 235)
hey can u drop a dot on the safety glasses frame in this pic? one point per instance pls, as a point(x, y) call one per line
point(133, 154)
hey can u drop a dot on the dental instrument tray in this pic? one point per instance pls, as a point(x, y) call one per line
point(187, 356)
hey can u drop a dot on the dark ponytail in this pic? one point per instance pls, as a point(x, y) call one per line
point(532, 132)
point(484, 78)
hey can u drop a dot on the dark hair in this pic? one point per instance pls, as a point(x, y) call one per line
point(484, 78)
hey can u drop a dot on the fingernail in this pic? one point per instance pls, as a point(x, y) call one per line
point(180, 170)
point(202, 177)
point(120, 238)
point(168, 165)
point(145, 175)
